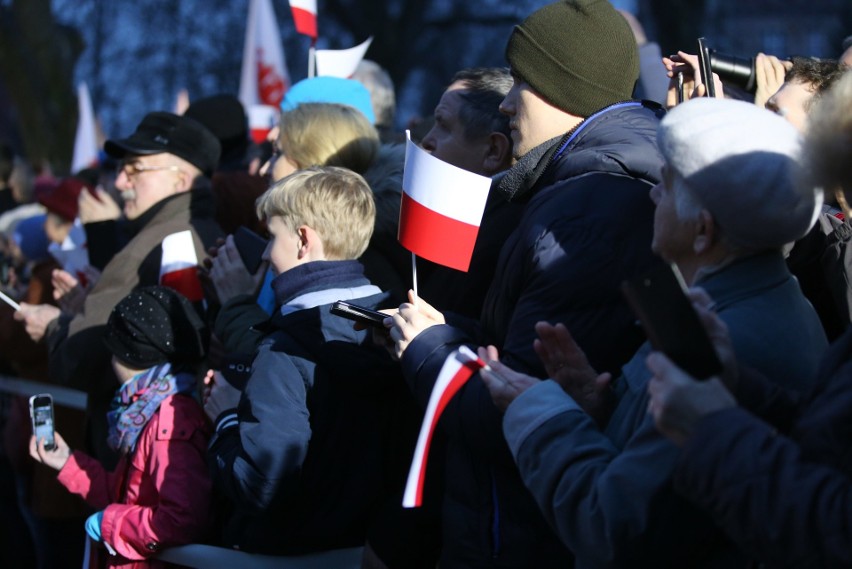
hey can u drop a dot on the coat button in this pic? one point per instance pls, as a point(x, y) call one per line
point(153, 546)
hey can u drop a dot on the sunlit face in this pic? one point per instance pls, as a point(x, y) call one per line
point(446, 139)
point(532, 119)
point(790, 101)
point(672, 235)
point(56, 228)
point(147, 180)
point(283, 249)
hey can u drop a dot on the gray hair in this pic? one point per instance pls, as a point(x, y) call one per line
point(379, 84)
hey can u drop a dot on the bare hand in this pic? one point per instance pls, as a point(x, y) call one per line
point(229, 275)
point(693, 83)
point(412, 318)
point(55, 458)
point(678, 402)
point(769, 74)
point(219, 395)
point(504, 384)
point(566, 363)
point(100, 208)
point(36, 318)
point(68, 292)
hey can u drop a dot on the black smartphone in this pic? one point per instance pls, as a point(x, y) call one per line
point(41, 414)
point(251, 247)
point(706, 68)
point(360, 314)
point(658, 298)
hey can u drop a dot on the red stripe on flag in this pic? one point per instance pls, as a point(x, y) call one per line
point(186, 282)
point(459, 379)
point(306, 22)
point(435, 237)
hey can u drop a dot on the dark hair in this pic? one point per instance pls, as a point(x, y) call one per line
point(7, 162)
point(485, 88)
point(818, 74)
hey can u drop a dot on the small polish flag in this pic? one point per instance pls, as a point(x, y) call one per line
point(179, 266)
point(341, 62)
point(305, 16)
point(457, 369)
point(86, 138)
point(441, 208)
point(261, 120)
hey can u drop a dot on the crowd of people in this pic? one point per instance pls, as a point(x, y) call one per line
point(227, 405)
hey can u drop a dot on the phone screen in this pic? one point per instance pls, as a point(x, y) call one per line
point(41, 412)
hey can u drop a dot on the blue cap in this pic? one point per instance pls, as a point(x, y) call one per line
point(31, 239)
point(327, 89)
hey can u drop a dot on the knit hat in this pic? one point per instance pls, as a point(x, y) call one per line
point(742, 164)
point(62, 199)
point(225, 117)
point(162, 132)
point(326, 89)
point(154, 325)
point(579, 55)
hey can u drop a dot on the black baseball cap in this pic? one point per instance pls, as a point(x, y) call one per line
point(182, 136)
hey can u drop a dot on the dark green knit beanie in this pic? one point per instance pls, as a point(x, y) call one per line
point(579, 55)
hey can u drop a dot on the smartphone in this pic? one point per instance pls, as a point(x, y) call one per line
point(360, 314)
point(658, 298)
point(706, 68)
point(251, 247)
point(41, 413)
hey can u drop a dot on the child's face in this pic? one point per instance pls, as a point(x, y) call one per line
point(283, 251)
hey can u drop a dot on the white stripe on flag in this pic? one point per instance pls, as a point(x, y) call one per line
point(306, 5)
point(178, 252)
point(444, 188)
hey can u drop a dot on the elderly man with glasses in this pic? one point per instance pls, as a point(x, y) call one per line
point(163, 176)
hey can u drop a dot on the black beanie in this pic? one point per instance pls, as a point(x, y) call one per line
point(155, 325)
point(579, 55)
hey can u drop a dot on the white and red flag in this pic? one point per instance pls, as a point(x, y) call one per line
point(457, 369)
point(305, 17)
point(341, 62)
point(86, 137)
point(179, 266)
point(441, 208)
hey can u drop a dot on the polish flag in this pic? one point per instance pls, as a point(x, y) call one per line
point(264, 78)
point(86, 138)
point(441, 208)
point(179, 266)
point(457, 369)
point(341, 62)
point(305, 17)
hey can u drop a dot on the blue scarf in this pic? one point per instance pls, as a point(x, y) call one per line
point(139, 399)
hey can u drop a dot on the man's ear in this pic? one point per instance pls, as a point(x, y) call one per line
point(706, 233)
point(499, 155)
point(184, 183)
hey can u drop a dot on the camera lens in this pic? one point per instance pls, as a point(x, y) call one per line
point(732, 69)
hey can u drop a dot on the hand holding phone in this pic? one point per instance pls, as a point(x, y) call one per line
point(659, 300)
point(41, 414)
point(366, 316)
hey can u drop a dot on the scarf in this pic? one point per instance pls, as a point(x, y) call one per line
point(138, 400)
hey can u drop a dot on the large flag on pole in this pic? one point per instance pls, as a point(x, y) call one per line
point(86, 138)
point(441, 208)
point(305, 17)
point(179, 266)
point(341, 62)
point(455, 372)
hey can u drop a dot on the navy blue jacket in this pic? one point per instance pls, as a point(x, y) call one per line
point(586, 226)
point(781, 487)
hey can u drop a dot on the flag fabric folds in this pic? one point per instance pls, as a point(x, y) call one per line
point(264, 78)
point(305, 17)
point(457, 369)
point(179, 266)
point(441, 209)
point(86, 138)
point(341, 62)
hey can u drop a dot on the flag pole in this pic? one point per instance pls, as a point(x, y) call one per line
point(312, 58)
point(414, 273)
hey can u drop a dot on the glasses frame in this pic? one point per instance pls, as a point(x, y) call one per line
point(132, 169)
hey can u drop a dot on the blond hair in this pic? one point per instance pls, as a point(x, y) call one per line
point(328, 134)
point(335, 202)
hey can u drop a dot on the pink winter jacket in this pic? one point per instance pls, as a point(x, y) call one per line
point(157, 497)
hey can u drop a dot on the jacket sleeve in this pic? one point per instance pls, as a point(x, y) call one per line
point(256, 455)
point(236, 324)
point(176, 465)
point(599, 499)
point(84, 476)
point(783, 509)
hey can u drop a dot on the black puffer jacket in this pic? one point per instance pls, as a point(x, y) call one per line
point(586, 226)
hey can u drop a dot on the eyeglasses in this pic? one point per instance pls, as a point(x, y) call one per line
point(133, 169)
